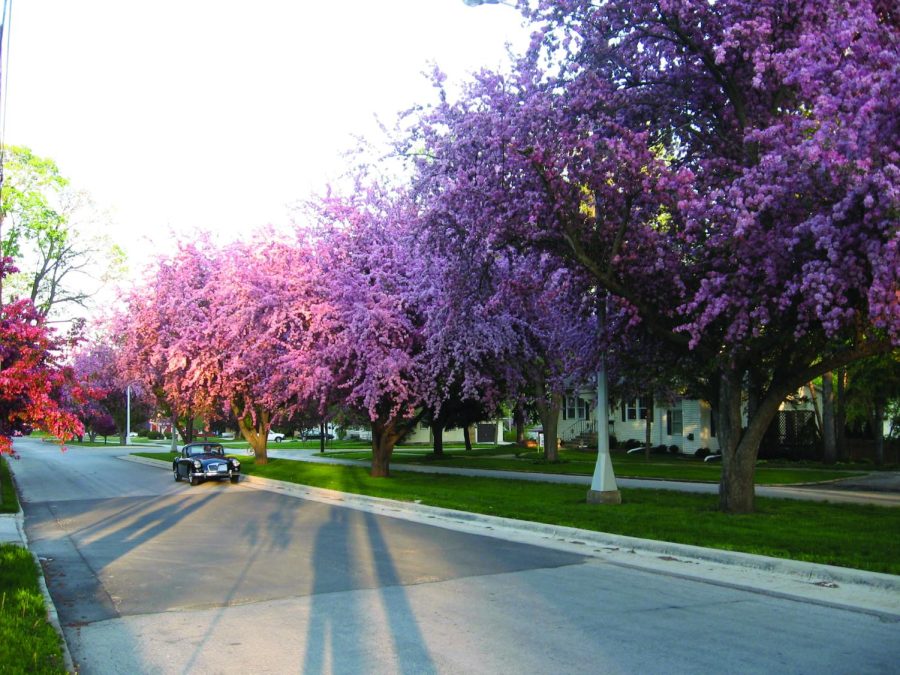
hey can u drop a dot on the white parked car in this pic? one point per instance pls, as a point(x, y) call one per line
point(276, 436)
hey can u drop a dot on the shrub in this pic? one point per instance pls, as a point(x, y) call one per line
point(674, 449)
point(700, 453)
point(154, 435)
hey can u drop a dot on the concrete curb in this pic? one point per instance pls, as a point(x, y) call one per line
point(847, 588)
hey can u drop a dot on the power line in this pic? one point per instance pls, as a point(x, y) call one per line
point(5, 25)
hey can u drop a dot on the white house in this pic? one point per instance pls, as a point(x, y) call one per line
point(686, 423)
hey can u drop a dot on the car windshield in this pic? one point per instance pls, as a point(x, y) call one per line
point(206, 449)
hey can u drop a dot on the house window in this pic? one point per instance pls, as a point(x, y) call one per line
point(575, 408)
point(635, 409)
point(674, 422)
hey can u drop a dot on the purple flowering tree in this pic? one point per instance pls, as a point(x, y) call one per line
point(727, 171)
point(363, 344)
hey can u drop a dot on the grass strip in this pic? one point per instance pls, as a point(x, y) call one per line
point(9, 501)
point(580, 464)
point(28, 643)
point(848, 535)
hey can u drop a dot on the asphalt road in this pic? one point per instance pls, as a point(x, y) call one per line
point(153, 576)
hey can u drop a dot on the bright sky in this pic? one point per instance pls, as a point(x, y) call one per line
point(217, 114)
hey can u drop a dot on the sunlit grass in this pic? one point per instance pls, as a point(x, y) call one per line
point(28, 644)
point(849, 535)
point(582, 463)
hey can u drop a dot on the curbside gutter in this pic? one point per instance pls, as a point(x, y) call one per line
point(842, 587)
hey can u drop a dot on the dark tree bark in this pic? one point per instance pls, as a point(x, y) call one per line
point(548, 409)
point(519, 421)
point(840, 417)
point(467, 437)
point(648, 426)
point(255, 433)
point(437, 433)
point(385, 434)
point(829, 442)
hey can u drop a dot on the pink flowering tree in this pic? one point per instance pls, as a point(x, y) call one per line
point(555, 319)
point(727, 171)
point(364, 340)
point(98, 366)
point(208, 330)
point(33, 382)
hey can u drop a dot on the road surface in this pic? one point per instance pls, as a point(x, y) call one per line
point(153, 576)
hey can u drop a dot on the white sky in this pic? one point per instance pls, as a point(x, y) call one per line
point(215, 114)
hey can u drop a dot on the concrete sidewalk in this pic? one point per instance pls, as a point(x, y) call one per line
point(12, 528)
point(861, 492)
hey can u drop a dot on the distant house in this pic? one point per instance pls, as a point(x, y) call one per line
point(686, 423)
point(482, 432)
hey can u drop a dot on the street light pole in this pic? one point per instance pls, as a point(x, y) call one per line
point(128, 415)
point(604, 489)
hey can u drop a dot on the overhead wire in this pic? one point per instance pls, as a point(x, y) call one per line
point(5, 25)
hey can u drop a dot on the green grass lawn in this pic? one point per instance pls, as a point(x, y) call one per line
point(838, 534)
point(28, 644)
point(9, 501)
point(574, 462)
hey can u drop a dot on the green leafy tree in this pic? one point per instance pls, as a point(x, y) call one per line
point(59, 264)
point(873, 389)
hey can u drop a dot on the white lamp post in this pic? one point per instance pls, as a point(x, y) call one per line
point(128, 415)
point(604, 489)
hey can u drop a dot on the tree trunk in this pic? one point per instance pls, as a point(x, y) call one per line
point(384, 437)
point(740, 447)
point(121, 438)
point(437, 433)
point(549, 412)
point(322, 437)
point(736, 493)
point(840, 417)
point(815, 404)
point(878, 432)
point(829, 442)
point(255, 433)
point(174, 439)
point(519, 420)
point(648, 426)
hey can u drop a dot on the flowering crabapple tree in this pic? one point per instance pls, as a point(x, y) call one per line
point(727, 171)
point(364, 341)
point(209, 324)
point(555, 319)
point(32, 380)
point(97, 366)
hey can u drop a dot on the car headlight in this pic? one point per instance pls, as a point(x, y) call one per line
point(236, 464)
point(197, 464)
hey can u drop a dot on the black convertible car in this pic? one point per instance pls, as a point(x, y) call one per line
point(199, 461)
